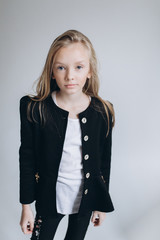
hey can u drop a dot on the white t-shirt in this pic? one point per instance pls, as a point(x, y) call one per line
point(70, 179)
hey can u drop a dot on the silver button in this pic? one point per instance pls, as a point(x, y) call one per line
point(86, 156)
point(87, 175)
point(85, 138)
point(84, 120)
point(86, 191)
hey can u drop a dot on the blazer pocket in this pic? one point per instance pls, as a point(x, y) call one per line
point(103, 178)
point(37, 177)
point(38, 184)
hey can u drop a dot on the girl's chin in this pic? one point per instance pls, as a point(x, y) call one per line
point(74, 89)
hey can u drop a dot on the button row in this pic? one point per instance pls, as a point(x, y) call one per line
point(84, 120)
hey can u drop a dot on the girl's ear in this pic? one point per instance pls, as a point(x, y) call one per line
point(89, 75)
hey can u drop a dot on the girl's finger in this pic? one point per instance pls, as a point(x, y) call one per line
point(24, 229)
point(96, 222)
point(31, 226)
point(93, 217)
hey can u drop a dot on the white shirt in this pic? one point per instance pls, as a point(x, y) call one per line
point(70, 175)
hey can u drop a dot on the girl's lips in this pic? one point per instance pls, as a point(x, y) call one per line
point(70, 85)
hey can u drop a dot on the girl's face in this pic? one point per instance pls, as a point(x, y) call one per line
point(71, 68)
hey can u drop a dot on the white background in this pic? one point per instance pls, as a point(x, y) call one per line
point(126, 37)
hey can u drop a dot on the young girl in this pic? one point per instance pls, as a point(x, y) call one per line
point(66, 139)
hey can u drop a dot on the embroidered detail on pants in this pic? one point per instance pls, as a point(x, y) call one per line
point(37, 228)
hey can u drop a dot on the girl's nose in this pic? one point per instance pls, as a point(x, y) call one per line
point(70, 74)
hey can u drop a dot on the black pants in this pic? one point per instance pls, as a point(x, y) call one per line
point(45, 229)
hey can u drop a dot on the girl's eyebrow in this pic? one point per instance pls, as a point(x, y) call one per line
point(82, 61)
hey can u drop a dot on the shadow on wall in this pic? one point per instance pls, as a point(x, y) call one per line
point(146, 227)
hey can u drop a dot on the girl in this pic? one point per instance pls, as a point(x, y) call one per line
point(66, 139)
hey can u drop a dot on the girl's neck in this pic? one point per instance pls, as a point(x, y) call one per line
point(71, 100)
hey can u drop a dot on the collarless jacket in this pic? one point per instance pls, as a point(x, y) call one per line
point(41, 149)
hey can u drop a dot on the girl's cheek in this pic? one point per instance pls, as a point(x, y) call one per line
point(60, 74)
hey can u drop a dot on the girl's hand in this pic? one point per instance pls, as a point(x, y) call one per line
point(27, 220)
point(97, 218)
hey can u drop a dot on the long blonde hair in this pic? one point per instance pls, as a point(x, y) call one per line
point(46, 83)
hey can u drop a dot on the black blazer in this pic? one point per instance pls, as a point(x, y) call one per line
point(40, 154)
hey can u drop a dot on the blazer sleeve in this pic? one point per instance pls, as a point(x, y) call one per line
point(106, 155)
point(26, 156)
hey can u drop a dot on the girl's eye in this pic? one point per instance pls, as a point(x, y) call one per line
point(60, 68)
point(79, 67)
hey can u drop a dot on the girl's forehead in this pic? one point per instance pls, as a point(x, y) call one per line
point(72, 51)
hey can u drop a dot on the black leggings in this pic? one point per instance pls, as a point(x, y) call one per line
point(45, 229)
